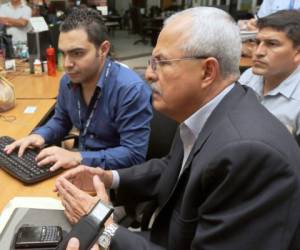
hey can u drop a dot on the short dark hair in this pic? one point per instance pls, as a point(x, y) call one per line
point(88, 19)
point(287, 21)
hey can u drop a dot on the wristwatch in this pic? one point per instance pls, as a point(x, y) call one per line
point(105, 238)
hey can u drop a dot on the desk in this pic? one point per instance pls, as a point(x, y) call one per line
point(246, 62)
point(11, 187)
point(25, 123)
point(28, 86)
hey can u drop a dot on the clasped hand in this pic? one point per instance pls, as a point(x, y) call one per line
point(74, 186)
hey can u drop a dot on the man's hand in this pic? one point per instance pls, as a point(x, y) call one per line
point(251, 24)
point(33, 140)
point(82, 177)
point(74, 245)
point(59, 157)
point(76, 202)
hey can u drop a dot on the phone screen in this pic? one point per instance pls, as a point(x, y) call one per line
point(38, 236)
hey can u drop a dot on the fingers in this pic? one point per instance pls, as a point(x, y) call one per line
point(49, 156)
point(73, 244)
point(104, 175)
point(98, 184)
point(95, 247)
point(45, 153)
point(11, 147)
point(72, 173)
point(22, 144)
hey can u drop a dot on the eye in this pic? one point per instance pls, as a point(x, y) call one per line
point(77, 53)
point(257, 42)
point(163, 62)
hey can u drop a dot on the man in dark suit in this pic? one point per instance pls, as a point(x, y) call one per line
point(231, 180)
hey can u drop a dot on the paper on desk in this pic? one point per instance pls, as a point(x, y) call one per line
point(27, 202)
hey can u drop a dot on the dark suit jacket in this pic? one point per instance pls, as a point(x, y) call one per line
point(239, 189)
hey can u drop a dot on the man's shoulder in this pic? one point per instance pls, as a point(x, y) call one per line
point(5, 6)
point(249, 78)
point(128, 78)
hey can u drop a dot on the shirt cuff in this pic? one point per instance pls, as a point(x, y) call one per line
point(115, 179)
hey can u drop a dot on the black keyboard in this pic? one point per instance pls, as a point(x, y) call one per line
point(23, 168)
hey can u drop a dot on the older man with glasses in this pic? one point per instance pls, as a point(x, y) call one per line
point(231, 180)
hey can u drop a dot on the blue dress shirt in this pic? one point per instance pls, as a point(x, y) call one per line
point(118, 134)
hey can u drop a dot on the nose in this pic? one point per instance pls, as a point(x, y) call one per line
point(67, 62)
point(150, 75)
point(260, 50)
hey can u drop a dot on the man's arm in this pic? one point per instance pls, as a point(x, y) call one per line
point(15, 22)
point(252, 200)
point(60, 124)
point(132, 116)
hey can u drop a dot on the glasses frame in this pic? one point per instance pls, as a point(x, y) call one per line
point(153, 62)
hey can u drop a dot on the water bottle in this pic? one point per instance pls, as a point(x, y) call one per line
point(51, 65)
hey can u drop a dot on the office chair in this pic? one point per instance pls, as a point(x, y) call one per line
point(162, 133)
point(298, 139)
point(139, 25)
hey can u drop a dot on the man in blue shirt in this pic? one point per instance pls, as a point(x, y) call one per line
point(107, 102)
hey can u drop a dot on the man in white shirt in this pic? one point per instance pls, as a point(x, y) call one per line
point(15, 16)
point(275, 75)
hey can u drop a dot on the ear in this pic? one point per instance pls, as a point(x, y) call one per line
point(211, 70)
point(104, 48)
point(297, 54)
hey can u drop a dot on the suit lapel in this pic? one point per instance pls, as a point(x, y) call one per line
point(226, 105)
point(171, 177)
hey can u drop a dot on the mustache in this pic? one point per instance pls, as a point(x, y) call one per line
point(155, 88)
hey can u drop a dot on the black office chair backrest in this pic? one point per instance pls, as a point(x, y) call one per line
point(137, 20)
point(298, 139)
point(162, 133)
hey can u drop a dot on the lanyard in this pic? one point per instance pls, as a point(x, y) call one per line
point(88, 122)
point(292, 4)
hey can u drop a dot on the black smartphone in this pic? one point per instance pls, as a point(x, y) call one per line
point(38, 237)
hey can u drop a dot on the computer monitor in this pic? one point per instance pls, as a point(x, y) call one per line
point(37, 43)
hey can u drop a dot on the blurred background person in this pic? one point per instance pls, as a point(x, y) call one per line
point(15, 16)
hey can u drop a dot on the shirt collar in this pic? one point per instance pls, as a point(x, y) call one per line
point(197, 120)
point(289, 87)
point(100, 82)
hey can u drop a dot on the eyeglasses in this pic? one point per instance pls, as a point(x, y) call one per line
point(153, 62)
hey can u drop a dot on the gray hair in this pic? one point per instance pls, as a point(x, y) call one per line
point(211, 32)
